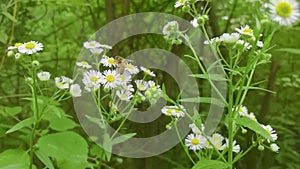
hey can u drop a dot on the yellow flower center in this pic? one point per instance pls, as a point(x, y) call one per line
point(195, 141)
point(30, 45)
point(141, 86)
point(110, 78)
point(94, 79)
point(84, 63)
point(169, 111)
point(130, 66)
point(248, 31)
point(111, 61)
point(284, 9)
point(122, 77)
point(123, 96)
point(92, 44)
point(18, 44)
point(177, 111)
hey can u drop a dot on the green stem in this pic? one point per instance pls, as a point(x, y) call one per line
point(183, 146)
point(35, 117)
point(230, 112)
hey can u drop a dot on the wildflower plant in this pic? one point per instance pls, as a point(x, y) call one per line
point(45, 105)
point(243, 50)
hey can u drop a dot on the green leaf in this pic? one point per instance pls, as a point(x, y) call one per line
point(210, 164)
point(10, 111)
point(122, 138)
point(216, 77)
point(9, 16)
point(289, 50)
point(96, 150)
point(107, 145)
point(14, 159)
point(69, 149)
point(62, 124)
point(24, 123)
point(208, 100)
point(254, 126)
point(3, 37)
point(44, 158)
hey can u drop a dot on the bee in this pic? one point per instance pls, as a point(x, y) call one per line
point(121, 63)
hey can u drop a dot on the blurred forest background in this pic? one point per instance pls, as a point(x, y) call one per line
point(62, 26)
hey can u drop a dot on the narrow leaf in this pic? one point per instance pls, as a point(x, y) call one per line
point(254, 126)
point(208, 100)
point(122, 138)
point(21, 124)
point(289, 50)
point(44, 158)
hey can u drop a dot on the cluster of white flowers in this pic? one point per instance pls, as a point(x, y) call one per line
point(64, 82)
point(197, 140)
point(95, 47)
point(243, 38)
point(174, 111)
point(180, 3)
point(243, 112)
point(27, 48)
point(117, 76)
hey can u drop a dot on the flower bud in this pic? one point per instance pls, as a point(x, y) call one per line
point(185, 8)
point(10, 53)
point(260, 147)
point(35, 63)
point(18, 56)
point(244, 131)
point(200, 20)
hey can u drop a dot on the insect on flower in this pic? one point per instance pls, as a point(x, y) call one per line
point(122, 63)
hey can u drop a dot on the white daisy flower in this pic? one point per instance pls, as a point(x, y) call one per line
point(108, 62)
point(75, 90)
point(132, 69)
point(236, 147)
point(84, 64)
point(128, 87)
point(110, 79)
point(271, 132)
point(141, 85)
point(285, 12)
point(195, 142)
point(96, 50)
point(15, 46)
point(217, 140)
point(43, 76)
point(170, 28)
point(91, 44)
point(125, 78)
point(63, 82)
point(246, 30)
point(252, 117)
point(91, 80)
point(242, 110)
point(147, 71)
point(178, 112)
point(167, 110)
point(230, 38)
point(195, 129)
point(274, 147)
point(30, 47)
point(124, 95)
